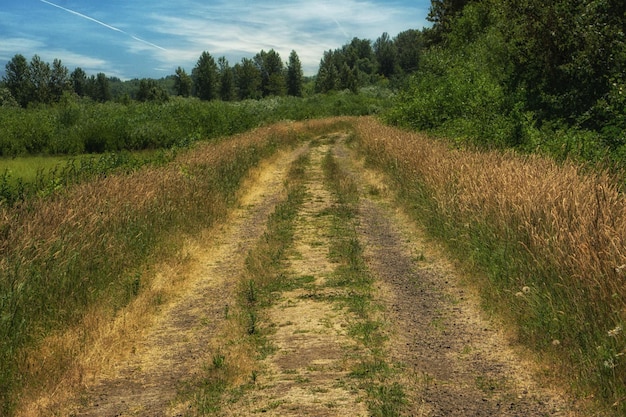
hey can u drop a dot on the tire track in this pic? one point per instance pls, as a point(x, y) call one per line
point(456, 362)
point(309, 372)
point(178, 344)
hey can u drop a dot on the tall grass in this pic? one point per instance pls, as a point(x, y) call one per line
point(80, 126)
point(79, 248)
point(548, 238)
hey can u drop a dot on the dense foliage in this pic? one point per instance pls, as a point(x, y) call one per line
point(77, 126)
point(37, 82)
point(362, 63)
point(528, 74)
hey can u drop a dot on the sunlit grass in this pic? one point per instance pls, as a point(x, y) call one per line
point(546, 240)
point(27, 167)
point(77, 249)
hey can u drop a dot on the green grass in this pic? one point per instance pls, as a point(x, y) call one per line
point(385, 397)
point(28, 167)
point(82, 248)
point(262, 278)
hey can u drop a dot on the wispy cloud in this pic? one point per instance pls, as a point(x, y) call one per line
point(310, 28)
point(142, 35)
point(104, 24)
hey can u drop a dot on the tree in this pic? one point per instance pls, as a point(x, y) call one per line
point(327, 76)
point(17, 79)
point(348, 79)
point(227, 80)
point(59, 80)
point(387, 56)
point(294, 75)
point(442, 14)
point(40, 80)
point(271, 68)
point(565, 54)
point(149, 90)
point(205, 77)
point(79, 82)
point(409, 45)
point(6, 98)
point(182, 83)
point(100, 89)
point(248, 79)
point(359, 56)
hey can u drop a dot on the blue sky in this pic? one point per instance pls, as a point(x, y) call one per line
point(151, 38)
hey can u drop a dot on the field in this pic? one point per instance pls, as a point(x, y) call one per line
point(388, 241)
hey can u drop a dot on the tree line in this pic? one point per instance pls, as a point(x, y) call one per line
point(36, 81)
point(359, 63)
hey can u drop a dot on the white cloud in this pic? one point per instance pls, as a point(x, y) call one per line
point(31, 47)
point(131, 39)
point(307, 27)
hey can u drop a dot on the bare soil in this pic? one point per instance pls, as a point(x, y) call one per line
point(452, 359)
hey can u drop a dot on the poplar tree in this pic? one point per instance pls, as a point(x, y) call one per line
point(17, 79)
point(182, 82)
point(294, 75)
point(205, 77)
point(248, 79)
point(227, 80)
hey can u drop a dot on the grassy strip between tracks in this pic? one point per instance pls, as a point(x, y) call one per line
point(374, 373)
point(232, 370)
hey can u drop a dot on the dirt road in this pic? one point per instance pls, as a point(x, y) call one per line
point(413, 343)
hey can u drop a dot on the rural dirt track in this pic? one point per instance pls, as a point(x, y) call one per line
point(448, 358)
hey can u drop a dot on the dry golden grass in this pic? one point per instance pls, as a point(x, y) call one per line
point(549, 237)
point(72, 261)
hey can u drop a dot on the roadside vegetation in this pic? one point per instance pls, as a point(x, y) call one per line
point(545, 242)
point(100, 138)
point(81, 250)
point(528, 75)
point(521, 177)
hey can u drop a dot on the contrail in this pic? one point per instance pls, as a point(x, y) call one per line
point(103, 24)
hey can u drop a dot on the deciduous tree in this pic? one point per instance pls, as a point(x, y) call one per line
point(227, 80)
point(40, 80)
point(149, 90)
point(78, 79)
point(17, 79)
point(271, 68)
point(409, 45)
point(387, 56)
point(294, 75)
point(182, 83)
point(327, 76)
point(205, 77)
point(248, 79)
point(59, 80)
point(100, 89)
